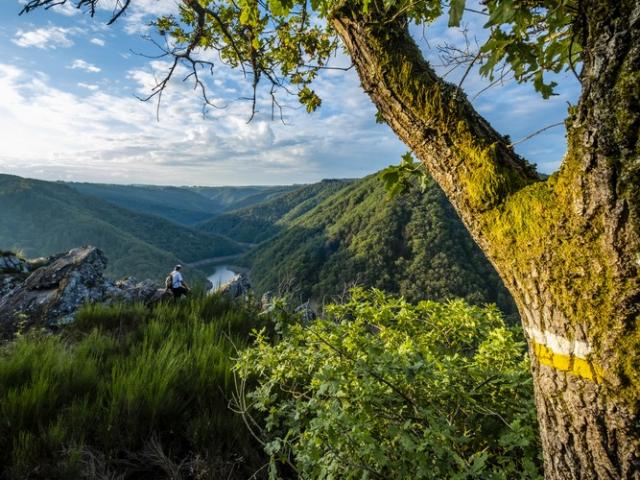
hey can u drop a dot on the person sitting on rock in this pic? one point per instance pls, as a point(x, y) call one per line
point(178, 285)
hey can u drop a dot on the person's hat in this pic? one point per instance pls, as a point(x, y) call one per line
point(178, 267)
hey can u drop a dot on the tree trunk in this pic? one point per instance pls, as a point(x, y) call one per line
point(568, 248)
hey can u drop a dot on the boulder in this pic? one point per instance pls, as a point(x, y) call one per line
point(8, 283)
point(13, 271)
point(307, 315)
point(266, 302)
point(238, 286)
point(159, 295)
point(11, 263)
point(53, 292)
point(74, 273)
point(59, 286)
point(129, 290)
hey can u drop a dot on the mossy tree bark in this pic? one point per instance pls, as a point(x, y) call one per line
point(568, 248)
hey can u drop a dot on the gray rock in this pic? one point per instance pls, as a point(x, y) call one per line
point(35, 263)
point(52, 294)
point(238, 286)
point(307, 315)
point(7, 284)
point(129, 290)
point(10, 263)
point(159, 295)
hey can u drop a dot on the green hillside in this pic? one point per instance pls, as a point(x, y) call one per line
point(232, 198)
point(257, 223)
point(183, 205)
point(180, 205)
point(413, 245)
point(42, 218)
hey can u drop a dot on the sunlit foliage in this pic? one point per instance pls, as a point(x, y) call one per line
point(384, 389)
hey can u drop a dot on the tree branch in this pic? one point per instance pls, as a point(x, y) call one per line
point(456, 144)
point(537, 132)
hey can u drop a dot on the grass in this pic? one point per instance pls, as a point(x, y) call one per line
point(128, 392)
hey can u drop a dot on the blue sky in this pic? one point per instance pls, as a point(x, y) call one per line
point(68, 111)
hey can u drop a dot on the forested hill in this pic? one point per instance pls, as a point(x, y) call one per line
point(183, 205)
point(179, 205)
point(233, 198)
point(414, 245)
point(260, 222)
point(43, 218)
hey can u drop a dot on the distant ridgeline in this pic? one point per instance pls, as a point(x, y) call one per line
point(322, 238)
point(183, 205)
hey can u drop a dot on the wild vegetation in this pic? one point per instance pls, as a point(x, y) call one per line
point(264, 220)
point(179, 205)
point(381, 388)
point(426, 391)
point(128, 392)
point(182, 205)
point(234, 198)
point(567, 246)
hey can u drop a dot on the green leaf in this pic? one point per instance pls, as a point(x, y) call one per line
point(456, 9)
point(280, 7)
point(546, 89)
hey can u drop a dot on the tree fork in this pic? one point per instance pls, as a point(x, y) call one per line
point(568, 248)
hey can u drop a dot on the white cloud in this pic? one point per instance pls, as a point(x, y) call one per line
point(98, 135)
point(88, 86)
point(45, 37)
point(141, 12)
point(67, 9)
point(79, 64)
point(50, 133)
point(98, 41)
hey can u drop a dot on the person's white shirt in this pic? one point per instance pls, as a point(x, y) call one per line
point(176, 279)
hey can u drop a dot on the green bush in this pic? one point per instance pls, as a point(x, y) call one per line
point(385, 389)
point(128, 391)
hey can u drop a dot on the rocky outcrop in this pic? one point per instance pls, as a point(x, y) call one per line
point(13, 270)
point(306, 313)
point(238, 287)
point(11, 263)
point(129, 290)
point(266, 301)
point(48, 292)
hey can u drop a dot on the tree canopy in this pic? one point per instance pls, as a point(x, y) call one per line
point(285, 43)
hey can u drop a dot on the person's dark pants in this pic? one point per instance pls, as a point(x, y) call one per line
point(180, 291)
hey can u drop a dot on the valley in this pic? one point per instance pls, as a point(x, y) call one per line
point(305, 242)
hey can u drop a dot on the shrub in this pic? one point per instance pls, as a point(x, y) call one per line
point(384, 389)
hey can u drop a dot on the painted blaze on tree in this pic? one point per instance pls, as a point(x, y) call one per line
point(567, 247)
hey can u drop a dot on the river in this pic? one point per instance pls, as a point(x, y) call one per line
point(221, 275)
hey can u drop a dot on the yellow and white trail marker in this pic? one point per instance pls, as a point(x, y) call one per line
point(566, 355)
